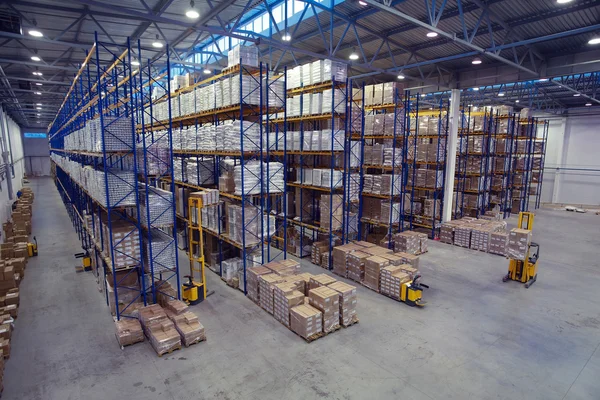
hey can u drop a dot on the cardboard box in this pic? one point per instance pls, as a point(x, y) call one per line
point(252, 286)
point(189, 328)
point(266, 284)
point(320, 280)
point(356, 265)
point(151, 315)
point(306, 321)
point(518, 243)
point(326, 300)
point(176, 307)
point(373, 267)
point(163, 336)
point(498, 243)
point(285, 297)
point(347, 301)
point(129, 331)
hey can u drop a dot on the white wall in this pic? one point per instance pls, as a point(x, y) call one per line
point(572, 170)
point(11, 138)
point(37, 156)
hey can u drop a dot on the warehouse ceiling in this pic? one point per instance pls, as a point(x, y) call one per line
point(432, 44)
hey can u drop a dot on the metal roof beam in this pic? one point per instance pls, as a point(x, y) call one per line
point(18, 78)
point(451, 36)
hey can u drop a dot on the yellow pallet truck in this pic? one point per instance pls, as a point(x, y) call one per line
point(193, 291)
point(525, 271)
point(412, 291)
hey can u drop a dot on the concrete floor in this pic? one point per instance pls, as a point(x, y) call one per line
point(478, 338)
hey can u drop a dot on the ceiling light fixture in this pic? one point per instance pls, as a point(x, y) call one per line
point(588, 104)
point(38, 114)
point(500, 94)
point(36, 58)
point(38, 93)
point(543, 80)
point(207, 71)
point(192, 13)
point(286, 37)
point(577, 95)
point(38, 84)
point(37, 73)
point(563, 1)
point(135, 63)
point(595, 40)
point(476, 61)
point(476, 89)
point(354, 55)
point(38, 104)
point(362, 3)
point(158, 44)
point(401, 77)
point(38, 108)
point(432, 34)
point(517, 101)
point(35, 33)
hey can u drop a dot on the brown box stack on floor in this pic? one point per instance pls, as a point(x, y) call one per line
point(317, 251)
point(518, 243)
point(284, 267)
point(320, 280)
point(159, 329)
point(407, 242)
point(462, 235)
point(306, 321)
point(347, 301)
point(266, 285)
point(175, 307)
point(331, 214)
point(394, 259)
point(327, 301)
point(405, 258)
point(480, 238)
point(498, 243)
point(409, 270)
point(423, 242)
point(189, 328)
point(356, 265)
point(166, 293)
point(252, 286)
point(129, 331)
point(373, 267)
point(340, 254)
point(301, 282)
point(285, 297)
point(392, 279)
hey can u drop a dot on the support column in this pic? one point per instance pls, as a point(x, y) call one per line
point(451, 155)
point(561, 158)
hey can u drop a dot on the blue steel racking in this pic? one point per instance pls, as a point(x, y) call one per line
point(397, 168)
point(429, 223)
point(102, 107)
point(306, 223)
point(253, 82)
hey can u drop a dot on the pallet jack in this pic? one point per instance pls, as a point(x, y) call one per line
point(411, 292)
point(32, 248)
point(525, 271)
point(194, 290)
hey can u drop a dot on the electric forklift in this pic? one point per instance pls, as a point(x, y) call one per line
point(525, 271)
point(32, 248)
point(193, 291)
point(412, 291)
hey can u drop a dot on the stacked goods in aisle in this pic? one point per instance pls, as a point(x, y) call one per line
point(129, 331)
point(376, 267)
point(13, 262)
point(407, 242)
point(518, 244)
point(485, 234)
point(317, 72)
point(166, 329)
point(156, 207)
point(309, 305)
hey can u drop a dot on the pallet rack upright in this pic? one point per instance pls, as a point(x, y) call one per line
point(390, 138)
point(93, 143)
point(316, 143)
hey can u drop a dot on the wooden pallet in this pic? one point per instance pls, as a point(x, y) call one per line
point(195, 342)
point(169, 351)
point(353, 321)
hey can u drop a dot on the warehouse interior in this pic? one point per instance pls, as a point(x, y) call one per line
point(299, 198)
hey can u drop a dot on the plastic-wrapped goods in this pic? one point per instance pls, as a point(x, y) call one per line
point(307, 74)
point(231, 268)
point(274, 173)
point(189, 327)
point(331, 211)
point(316, 72)
point(353, 186)
point(334, 100)
point(129, 331)
point(229, 92)
point(389, 92)
point(273, 92)
point(391, 184)
point(332, 140)
point(250, 182)
point(316, 105)
point(163, 251)
point(307, 104)
point(294, 106)
point(157, 156)
point(247, 93)
point(250, 229)
point(164, 337)
point(246, 55)
point(294, 77)
point(157, 204)
point(334, 71)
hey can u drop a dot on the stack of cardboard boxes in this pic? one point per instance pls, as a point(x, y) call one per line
point(13, 262)
point(166, 329)
point(486, 234)
point(309, 305)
